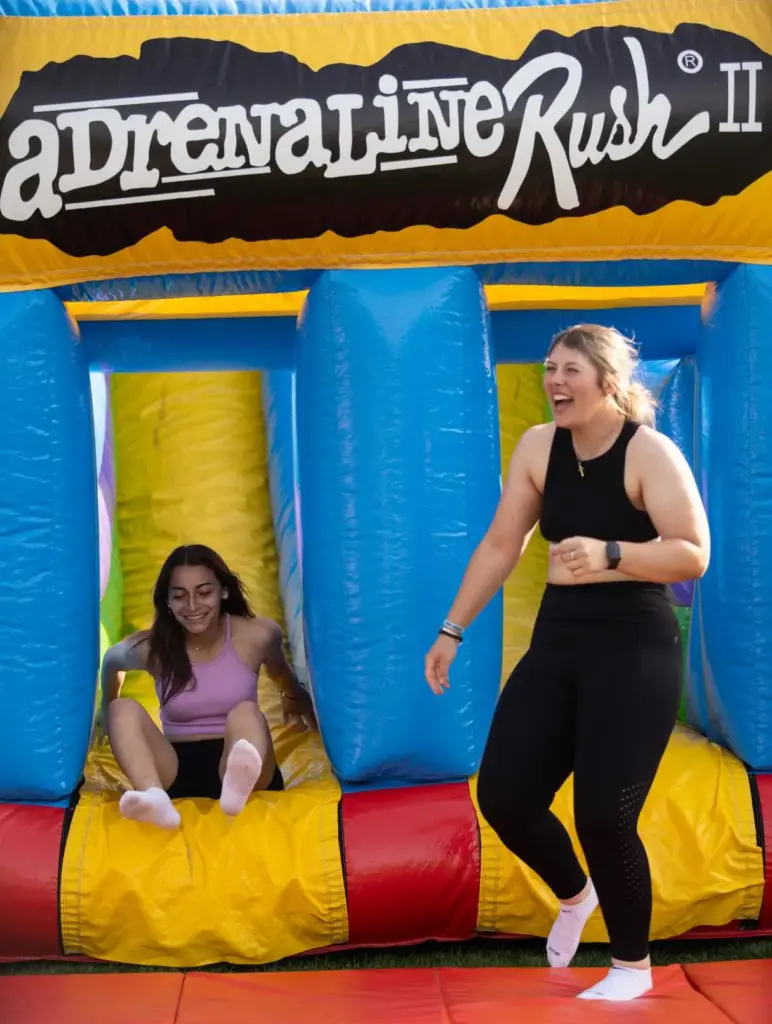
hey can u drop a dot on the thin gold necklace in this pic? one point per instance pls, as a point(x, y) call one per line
point(199, 649)
point(580, 462)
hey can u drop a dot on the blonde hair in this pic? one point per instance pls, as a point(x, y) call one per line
point(615, 359)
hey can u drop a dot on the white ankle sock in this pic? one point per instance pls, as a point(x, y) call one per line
point(620, 985)
point(566, 933)
point(150, 805)
point(241, 773)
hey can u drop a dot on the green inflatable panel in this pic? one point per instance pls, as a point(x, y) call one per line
point(111, 608)
point(684, 616)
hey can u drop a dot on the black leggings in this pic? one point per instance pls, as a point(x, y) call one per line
point(597, 693)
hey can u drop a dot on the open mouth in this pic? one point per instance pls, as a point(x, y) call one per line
point(196, 618)
point(562, 402)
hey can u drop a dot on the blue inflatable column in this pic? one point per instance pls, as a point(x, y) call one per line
point(49, 551)
point(729, 693)
point(675, 418)
point(278, 388)
point(398, 459)
point(655, 375)
point(676, 407)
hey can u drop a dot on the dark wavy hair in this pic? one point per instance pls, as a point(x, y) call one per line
point(168, 657)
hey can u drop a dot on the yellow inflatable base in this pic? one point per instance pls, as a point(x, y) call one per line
point(270, 883)
point(263, 886)
point(700, 834)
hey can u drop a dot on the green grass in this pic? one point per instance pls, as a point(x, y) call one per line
point(478, 953)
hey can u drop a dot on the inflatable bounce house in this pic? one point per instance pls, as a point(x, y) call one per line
point(278, 276)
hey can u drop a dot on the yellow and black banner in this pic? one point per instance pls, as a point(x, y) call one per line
point(145, 145)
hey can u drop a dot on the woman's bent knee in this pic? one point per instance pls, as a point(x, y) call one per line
point(491, 807)
point(126, 719)
point(246, 708)
point(124, 708)
point(509, 805)
point(501, 806)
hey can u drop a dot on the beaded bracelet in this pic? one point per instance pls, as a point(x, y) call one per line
point(453, 631)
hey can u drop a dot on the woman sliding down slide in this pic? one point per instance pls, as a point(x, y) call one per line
point(204, 650)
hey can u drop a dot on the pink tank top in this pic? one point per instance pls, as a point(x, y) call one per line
point(217, 687)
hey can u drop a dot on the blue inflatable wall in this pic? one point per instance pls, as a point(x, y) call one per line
point(49, 551)
point(677, 403)
point(730, 696)
point(279, 411)
point(384, 472)
point(399, 477)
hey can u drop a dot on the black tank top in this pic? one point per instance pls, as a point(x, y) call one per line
point(588, 499)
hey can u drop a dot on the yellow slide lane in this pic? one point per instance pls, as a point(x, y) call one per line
point(192, 468)
point(521, 405)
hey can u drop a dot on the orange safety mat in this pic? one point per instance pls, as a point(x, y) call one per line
point(742, 989)
point(90, 998)
point(724, 993)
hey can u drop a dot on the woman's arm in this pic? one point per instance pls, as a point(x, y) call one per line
point(129, 655)
point(275, 660)
point(671, 498)
point(297, 706)
point(500, 549)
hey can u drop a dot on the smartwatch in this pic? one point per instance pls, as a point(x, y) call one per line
point(613, 554)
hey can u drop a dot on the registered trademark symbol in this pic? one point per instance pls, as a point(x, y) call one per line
point(690, 61)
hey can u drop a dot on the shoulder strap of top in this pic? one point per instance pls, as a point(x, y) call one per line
point(562, 438)
point(628, 431)
point(562, 445)
point(560, 453)
point(617, 454)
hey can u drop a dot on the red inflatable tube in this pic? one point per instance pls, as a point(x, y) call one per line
point(30, 841)
point(412, 863)
point(764, 789)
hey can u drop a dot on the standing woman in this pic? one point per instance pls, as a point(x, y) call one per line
point(205, 651)
point(597, 692)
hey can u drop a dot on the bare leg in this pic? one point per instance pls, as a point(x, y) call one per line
point(248, 761)
point(147, 759)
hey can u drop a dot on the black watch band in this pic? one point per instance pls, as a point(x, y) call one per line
point(613, 554)
point(458, 637)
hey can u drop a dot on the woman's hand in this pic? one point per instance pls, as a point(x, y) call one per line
point(100, 726)
point(297, 709)
point(438, 662)
point(582, 556)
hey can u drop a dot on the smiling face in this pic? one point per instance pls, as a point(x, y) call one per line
point(573, 388)
point(195, 595)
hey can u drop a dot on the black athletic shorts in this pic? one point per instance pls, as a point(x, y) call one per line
point(199, 770)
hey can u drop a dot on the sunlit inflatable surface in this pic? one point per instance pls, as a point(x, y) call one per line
point(278, 278)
